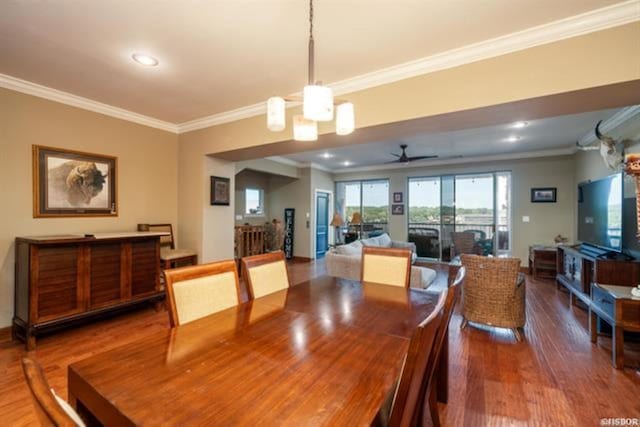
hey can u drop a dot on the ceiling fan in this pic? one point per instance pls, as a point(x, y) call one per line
point(403, 158)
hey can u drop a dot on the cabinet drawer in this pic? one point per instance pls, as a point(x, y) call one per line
point(603, 301)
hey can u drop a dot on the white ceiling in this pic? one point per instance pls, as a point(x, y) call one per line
point(219, 55)
point(538, 136)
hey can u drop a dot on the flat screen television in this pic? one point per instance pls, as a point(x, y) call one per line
point(600, 213)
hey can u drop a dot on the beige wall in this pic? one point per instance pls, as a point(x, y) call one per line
point(547, 219)
point(294, 193)
point(147, 173)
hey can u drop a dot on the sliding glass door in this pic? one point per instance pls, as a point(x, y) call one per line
point(370, 201)
point(471, 203)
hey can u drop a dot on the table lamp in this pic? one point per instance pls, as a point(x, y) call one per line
point(356, 219)
point(337, 222)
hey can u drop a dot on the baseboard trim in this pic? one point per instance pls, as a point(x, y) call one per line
point(5, 334)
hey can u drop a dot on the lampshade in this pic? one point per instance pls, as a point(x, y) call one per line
point(317, 103)
point(336, 221)
point(303, 129)
point(345, 118)
point(275, 114)
point(356, 218)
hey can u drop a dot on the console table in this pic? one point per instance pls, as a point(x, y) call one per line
point(542, 261)
point(62, 280)
point(616, 306)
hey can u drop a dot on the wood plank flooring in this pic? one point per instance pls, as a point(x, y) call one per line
point(555, 377)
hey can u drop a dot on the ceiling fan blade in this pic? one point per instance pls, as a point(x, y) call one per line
point(413, 159)
point(393, 161)
point(397, 155)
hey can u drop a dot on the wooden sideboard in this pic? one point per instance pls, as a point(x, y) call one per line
point(61, 280)
point(577, 270)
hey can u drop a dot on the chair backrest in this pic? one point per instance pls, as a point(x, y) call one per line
point(166, 241)
point(51, 410)
point(490, 278)
point(199, 290)
point(463, 242)
point(408, 397)
point(386, 266)
point(265, 274)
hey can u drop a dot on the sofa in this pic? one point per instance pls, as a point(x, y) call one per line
point(345, 260)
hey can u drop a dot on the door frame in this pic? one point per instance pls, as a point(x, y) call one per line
point(314, 230)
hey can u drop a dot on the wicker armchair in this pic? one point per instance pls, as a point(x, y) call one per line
point(464, 242)
point(494, 293)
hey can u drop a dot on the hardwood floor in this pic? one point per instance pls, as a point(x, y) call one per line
point(555, 377)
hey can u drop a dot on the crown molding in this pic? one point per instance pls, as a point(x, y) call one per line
point(585, 23)
point(285, 161)
point(24, 86)
point(463, 160)
point(618, 119)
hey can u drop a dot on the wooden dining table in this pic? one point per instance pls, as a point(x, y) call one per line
point(324, 352)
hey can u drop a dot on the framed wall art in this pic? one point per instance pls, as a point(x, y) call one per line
point(397, 209)
point(69, 183)
point(397, 197)
point(220, 191)
point(544, 195)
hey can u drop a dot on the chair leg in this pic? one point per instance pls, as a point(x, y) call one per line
point(464, 323)
point(516, 332)
point(433, 408)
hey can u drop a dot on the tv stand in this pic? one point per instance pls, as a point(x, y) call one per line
point(581, 265)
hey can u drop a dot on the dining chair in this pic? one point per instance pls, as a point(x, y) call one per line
point(408, 396)
point(199, 290)
point(50, 408)
point(428, 395)
point(170, 256)
point(265, 274)
point(386, 266)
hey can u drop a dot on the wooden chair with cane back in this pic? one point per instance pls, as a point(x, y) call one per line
point(170, 256)
point(386, 266)
point(265, 274)
point(50, 408)
point(200, 290)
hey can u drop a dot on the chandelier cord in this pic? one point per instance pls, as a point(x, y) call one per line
point(311, 47)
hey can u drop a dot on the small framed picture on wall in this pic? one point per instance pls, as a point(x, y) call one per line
point(220, 191)
point(397, 209)
point(544, 195)
point(397, 197)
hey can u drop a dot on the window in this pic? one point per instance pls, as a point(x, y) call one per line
point(368, 198)
point(254, 202)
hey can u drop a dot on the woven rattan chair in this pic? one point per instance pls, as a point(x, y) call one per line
point(494, 293)
point(464, 243)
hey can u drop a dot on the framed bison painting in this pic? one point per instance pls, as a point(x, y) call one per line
point(73, 183)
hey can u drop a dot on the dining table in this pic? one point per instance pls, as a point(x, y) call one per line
point(327, 351)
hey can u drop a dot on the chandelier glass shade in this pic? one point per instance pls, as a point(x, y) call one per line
point(304, 129)
point(318, 105)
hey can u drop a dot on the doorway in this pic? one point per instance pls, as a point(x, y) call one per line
point(322, 223)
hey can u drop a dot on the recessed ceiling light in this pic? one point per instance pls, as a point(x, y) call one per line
point(513, 138)
point(520, 125)
point(146, 60)
point(346, 163)
point(326, 155)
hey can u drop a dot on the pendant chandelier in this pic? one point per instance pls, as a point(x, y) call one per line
point(317, 105)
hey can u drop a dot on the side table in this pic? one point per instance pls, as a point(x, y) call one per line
point(616, 306)
point(542, 259)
